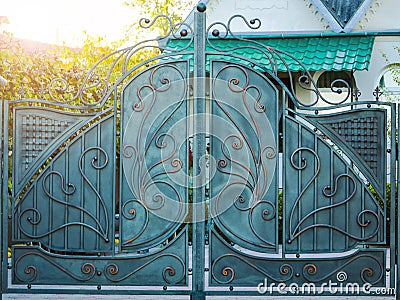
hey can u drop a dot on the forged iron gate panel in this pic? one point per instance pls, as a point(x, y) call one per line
point(330, 224)
point(102, 188)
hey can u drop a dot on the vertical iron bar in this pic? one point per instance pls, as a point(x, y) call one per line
point(199, 148)
point(3, 217)
point(394, 114)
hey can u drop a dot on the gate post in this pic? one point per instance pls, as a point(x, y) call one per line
point(199, 147)
point(3, 237)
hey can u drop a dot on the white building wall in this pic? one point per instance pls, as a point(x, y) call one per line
point(301, 16)
point(368, 80)
point(382, 15)
point(276, 16)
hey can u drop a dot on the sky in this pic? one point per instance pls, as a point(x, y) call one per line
point(55, 21)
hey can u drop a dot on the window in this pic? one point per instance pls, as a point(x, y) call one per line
point(389, 84)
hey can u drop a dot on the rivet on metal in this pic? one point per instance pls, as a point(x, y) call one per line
point(215, 32)
point(183, 32)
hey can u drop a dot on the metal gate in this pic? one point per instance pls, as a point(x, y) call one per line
point(167, 179)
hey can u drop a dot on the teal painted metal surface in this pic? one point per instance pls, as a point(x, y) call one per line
point(199, 146)
point(167, 182)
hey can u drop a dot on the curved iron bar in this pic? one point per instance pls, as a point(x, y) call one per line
point(221, 164)
point(36, 220)
point(87, 269)
point(284, 269)
point(163, 197)
point(122, 57)
point(353, 192)
point(299, 168)
point(232, 84)
point(95, 160)
point(360, 223)
point(270, 153)
point(294, 233)
point(161, 145)
point(274, 55)
point(146, 206)
point(266, 216)
point(128, 154)
point(139, 107)
point(132, 215)
point(218, 213)
point(311, 269)
point(112, 269)
point(238, 146)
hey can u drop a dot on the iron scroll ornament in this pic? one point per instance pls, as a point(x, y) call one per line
point(245, 154)
point(275, 57)
point(153, 160)
point(295, 230)
point(32, 216)
point(107, 73)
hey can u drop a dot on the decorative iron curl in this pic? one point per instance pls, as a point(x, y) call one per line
point(228, 271)
point(275, 57)
point(252, 24)
point(111, 270)
point(310, 270)
point(36, 219)
point(97, 86)
point(87, 269)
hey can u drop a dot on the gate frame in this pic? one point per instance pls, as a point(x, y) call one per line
point(198, 283)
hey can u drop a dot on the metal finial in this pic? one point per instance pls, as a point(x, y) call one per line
point(201, 7)
point(377, 93)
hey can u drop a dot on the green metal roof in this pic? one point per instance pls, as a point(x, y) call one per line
point(316, 53)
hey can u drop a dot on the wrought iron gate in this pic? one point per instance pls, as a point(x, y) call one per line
point(166, 180)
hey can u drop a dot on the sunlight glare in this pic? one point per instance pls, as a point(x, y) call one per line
point(55, 21)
